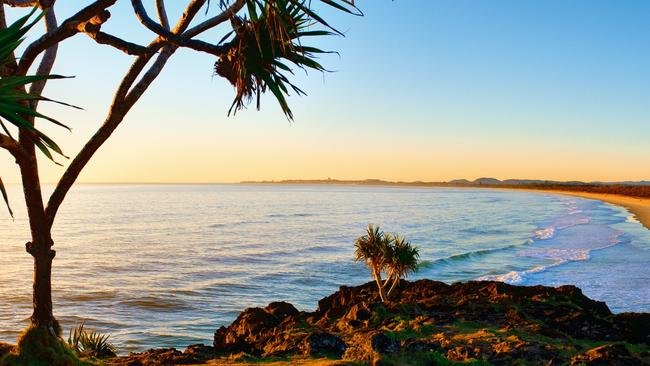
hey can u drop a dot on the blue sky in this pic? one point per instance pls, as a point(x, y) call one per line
point(422, 90)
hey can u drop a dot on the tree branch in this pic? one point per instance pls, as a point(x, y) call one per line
point(126, 95)
point(174, 36)
point(9, 144)
point(20, 3)
point(143, 17)
point(216, 20)
point(118, 43)
point(47, 62)
point(162, 13)
point(94, 13)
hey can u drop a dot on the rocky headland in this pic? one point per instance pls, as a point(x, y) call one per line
point(426, 323)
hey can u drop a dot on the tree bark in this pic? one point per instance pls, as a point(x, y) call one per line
point(42, 300)
point(40, 247)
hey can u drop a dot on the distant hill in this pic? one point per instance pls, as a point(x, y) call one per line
point(625, 188)
point(487, 181)
point(509, 182)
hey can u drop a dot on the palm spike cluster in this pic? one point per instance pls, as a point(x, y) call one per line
point(15, 99)
point(266, 43)
point(389, 253)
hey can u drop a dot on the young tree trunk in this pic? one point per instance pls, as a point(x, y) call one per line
point(377, 275)
point(395, 283)
point(40, 247)
point(42, 297)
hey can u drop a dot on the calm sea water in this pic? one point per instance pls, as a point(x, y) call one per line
point(165, 265)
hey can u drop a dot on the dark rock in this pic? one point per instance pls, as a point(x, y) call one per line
point(247, 331)
point(381, 343)
point(608, 355)
point(635, 326)
point(492, 321)
point(416, 345)
point(281, 309)
point(359, 312)
point(154, 357)
point(200, 352)
point(5, 348)
point(322, 343)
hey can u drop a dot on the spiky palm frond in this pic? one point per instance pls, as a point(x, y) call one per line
point(15, 103)
point(265, 43)
point(369, 247)
point(404, 257)
point(89, 342)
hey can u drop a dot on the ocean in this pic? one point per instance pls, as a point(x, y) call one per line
point(165, 265)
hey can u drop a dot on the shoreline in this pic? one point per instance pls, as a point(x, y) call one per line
point(637, 206)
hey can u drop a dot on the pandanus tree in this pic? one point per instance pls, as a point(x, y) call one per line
point(370, 249)
point(384, 252)
point(265, 41)
point(401, 258)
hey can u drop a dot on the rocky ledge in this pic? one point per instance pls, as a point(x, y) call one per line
point(430, 323)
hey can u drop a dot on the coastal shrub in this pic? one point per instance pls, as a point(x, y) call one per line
point(90, 343)
point(38, 348)
point(388, 253)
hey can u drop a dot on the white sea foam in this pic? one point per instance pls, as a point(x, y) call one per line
point(556, 254)
point(545, 233)
point(516, 277)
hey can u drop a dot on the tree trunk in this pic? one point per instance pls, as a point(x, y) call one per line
point(41, 245)
point(42, 297)
point(377, 275)
point(396, 281)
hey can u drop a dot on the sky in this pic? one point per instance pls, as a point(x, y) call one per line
point(428, 90)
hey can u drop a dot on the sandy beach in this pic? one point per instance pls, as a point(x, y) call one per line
point(639, 207)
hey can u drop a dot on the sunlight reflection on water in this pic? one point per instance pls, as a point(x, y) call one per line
point(165, 265)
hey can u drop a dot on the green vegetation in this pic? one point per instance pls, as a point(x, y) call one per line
point(90, 343)
point(264, 41)
point(386, 253)
point(15, 101)
point(427, 358)
point(36, 347)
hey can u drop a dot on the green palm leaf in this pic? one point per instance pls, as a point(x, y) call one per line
point(3, 191)
point(15, 103)
point(271, 34)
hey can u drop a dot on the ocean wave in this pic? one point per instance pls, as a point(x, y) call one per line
point(564, 222)
point(236, 223)
point(473, 254)
point(516, 277)
point(157, 303)
point(299, 214)
point(571, 220)
point(481, 230)
point(89, 296)
point(558, 256)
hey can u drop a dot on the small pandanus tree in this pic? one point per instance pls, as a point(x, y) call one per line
point(383, 252)
point(401, 258)
point(370, 249)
